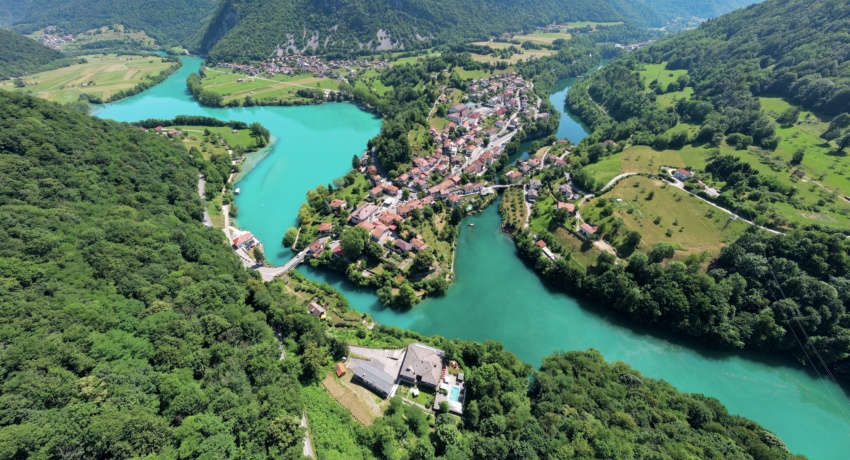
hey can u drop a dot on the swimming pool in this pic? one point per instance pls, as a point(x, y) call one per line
point(454, 394)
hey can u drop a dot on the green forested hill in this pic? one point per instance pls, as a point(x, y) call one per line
point(21, 55)
point(173, 21)
point(124, 330)
point(252, 29)
point(657, 12)
point(747, 103)
point(795, 49)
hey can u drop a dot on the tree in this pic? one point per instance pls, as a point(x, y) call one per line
point(289, 237)
point(353, 242)
point(632, 238)
point(355, 162)
point(406, 296)
point(422, 262)
point(258, 255)
point(661, 251)
point(797, 158)
point(285, 432)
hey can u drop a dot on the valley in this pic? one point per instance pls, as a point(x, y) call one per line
point(368, 243)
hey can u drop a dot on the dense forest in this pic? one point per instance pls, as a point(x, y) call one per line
point(657, 13)
point(171, 22)
point(250, 30)
point(129, 330)
point(777, 293)
point(21, 55)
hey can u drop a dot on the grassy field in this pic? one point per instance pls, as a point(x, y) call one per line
point(279, 87)
point(662, 213)
point(513, 209)
point(645, 159)
point(581, 251)
point(471, 74)
point(363, 405)
point(669, 99)
point(418, 138)
point(214, 210)
point(540, 36)
point(109, 74)
point(208, 145)
point(594, 25)
point(525, 55)
point(659, 72)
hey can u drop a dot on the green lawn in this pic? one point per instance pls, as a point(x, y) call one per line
point(543, 37)
point(659, 72)
point(669, 99)
point(195, 137)
point(581, 251)
point(279, 87)
point(694, 225)
point(606, 169)
point(471, 74)
point(108, 73)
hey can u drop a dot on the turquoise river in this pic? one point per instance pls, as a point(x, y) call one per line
point(495, 296)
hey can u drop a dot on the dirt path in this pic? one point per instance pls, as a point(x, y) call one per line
point(598, 106)
point(364, 410)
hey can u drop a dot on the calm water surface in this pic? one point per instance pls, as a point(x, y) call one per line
point(495, 295)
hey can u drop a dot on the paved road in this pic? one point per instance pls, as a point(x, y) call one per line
point(614, 181)
point(680, 185)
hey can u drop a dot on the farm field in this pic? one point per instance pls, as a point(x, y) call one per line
point(525, 55)
point(513, 210)
point(102, 75)
point(233, 86)
point(360, 402)
point(662, 213)
point(645, 159)
point(540, 36)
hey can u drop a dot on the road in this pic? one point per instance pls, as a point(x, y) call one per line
point(614, 181)
point(202, 184)
point(680, 185)
point(308, 446)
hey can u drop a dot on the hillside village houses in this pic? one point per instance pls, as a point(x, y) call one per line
point(419, 366)
point(293, 64)
point(463, 149)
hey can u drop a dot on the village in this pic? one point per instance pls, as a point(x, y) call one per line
point(293, 64)
point(408, 223)
point(53, 40)
point(406, 216)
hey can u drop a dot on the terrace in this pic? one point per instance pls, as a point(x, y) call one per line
point(455, 393)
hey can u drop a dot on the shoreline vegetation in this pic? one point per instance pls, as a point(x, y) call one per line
point(747, 157)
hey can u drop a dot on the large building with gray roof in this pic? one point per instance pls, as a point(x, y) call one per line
point(422, 365)
point(373, 378)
